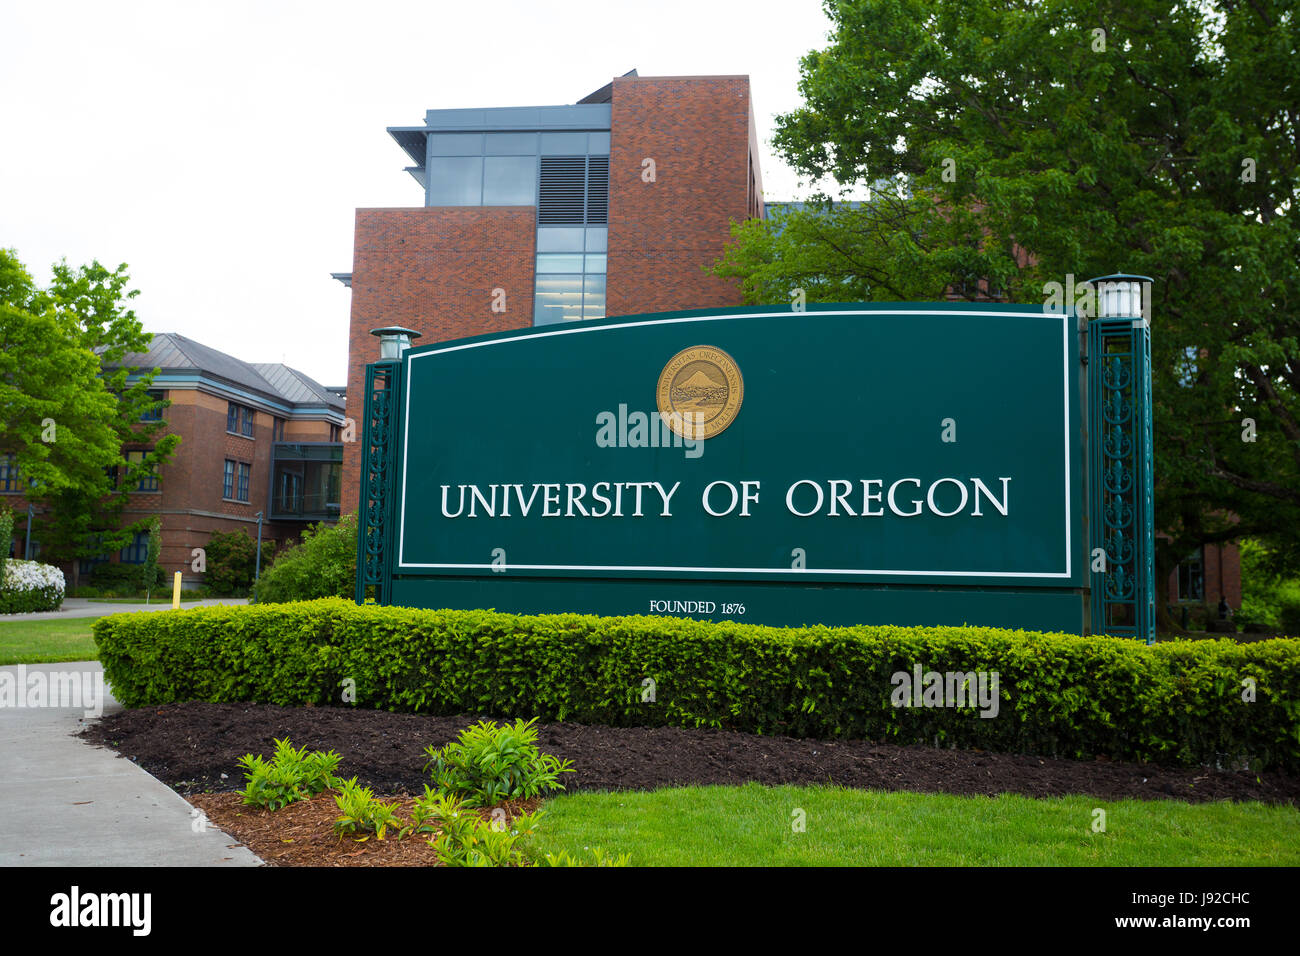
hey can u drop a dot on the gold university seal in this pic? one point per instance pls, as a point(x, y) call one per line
point(700, 391)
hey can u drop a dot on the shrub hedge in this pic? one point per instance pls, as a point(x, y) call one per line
point(27, 586)
point(1177, 702)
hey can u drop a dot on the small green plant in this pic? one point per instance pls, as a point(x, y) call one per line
point(599, 858)
point(363, 814)
point(488, 764)
point(465, 839)
point(290, 775)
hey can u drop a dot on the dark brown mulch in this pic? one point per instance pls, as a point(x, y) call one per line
point(194, 747)
point(302, 834)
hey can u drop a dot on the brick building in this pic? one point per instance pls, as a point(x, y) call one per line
point(614, 205)
point(255, 438)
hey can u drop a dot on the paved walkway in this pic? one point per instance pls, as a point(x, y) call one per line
point(84, 607)
point(64, 802)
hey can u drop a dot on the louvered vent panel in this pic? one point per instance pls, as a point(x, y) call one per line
point(560, 192)
point(598, 190)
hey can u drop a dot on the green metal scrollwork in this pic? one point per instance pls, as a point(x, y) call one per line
point(1121, 477)
point(378, 447)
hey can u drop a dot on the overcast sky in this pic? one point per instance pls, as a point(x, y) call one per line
point(221, 149)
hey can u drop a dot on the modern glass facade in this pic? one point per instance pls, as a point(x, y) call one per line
point(540, 157)
point(305, 481)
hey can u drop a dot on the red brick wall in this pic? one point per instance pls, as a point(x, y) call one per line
point(433, 269)
point(697, 130)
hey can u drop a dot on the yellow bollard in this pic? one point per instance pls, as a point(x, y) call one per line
point(176, 592)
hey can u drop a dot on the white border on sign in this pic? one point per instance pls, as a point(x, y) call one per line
point(1066, 327)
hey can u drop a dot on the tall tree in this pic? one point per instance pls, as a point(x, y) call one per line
point(69, 412)
point(1149, 136)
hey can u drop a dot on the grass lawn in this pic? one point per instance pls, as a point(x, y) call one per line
point(752, 826)
point(39, 642)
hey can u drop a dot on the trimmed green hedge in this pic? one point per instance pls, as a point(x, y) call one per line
point(1176, 702)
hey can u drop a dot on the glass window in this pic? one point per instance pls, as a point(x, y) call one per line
point(153, 414)
point(138, 550)
point(511, 144)
point(559, 299)
point(559, 262)
point(559, 239)
point(147, 483)
point(232, 417)
point(456, 144)
point(248, 422)
point(1191, 577)
point(228, 480)
point(593, 300)
point(595, 264)
point(9, 480)
point(564, 144)
point(510, 181)
point(597, 238)
point(244, 471)
point(455, 181)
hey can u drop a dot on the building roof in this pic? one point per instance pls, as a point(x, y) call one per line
point(176, 354)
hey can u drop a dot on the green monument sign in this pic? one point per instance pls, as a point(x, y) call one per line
point(900, 463)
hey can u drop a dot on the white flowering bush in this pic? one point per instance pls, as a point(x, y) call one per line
point(30, 586)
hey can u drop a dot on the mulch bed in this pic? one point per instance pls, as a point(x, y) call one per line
point(302, 834)
point(194, 748)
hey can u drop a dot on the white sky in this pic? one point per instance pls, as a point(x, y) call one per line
point(221, 149)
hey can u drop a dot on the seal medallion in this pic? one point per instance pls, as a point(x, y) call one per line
point(700, 391)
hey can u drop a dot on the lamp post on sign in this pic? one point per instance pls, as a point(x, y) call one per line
point(393, 341)
point(1121, 471)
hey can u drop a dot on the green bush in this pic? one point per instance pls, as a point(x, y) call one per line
point(1175, 702)
point(231, 562)
point(323, 565)
point(488, 764)
point(122, 580)
point(290, 775)
point(27, 586)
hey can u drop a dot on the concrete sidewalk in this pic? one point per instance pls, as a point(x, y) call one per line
point(64, 802)
point(85, 607)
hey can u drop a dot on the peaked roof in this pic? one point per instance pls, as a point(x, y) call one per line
point(171, 352)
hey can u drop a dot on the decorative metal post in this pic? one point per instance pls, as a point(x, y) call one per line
point(1121, 516)
point(378, 462)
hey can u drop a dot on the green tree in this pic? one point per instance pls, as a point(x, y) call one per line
point(68, 415)
point(231, 560)
point(1150, 136)
point(151, 571)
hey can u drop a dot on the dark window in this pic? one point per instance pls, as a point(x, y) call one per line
point(153, 414)
point(277, 429)
point(244, 470)
point(138, 550)
point(9, 475)
point(147, 483)
point(228, 481)
point(232, 417)
point(336, 433)
point(1191, 577)
point(248, 422)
